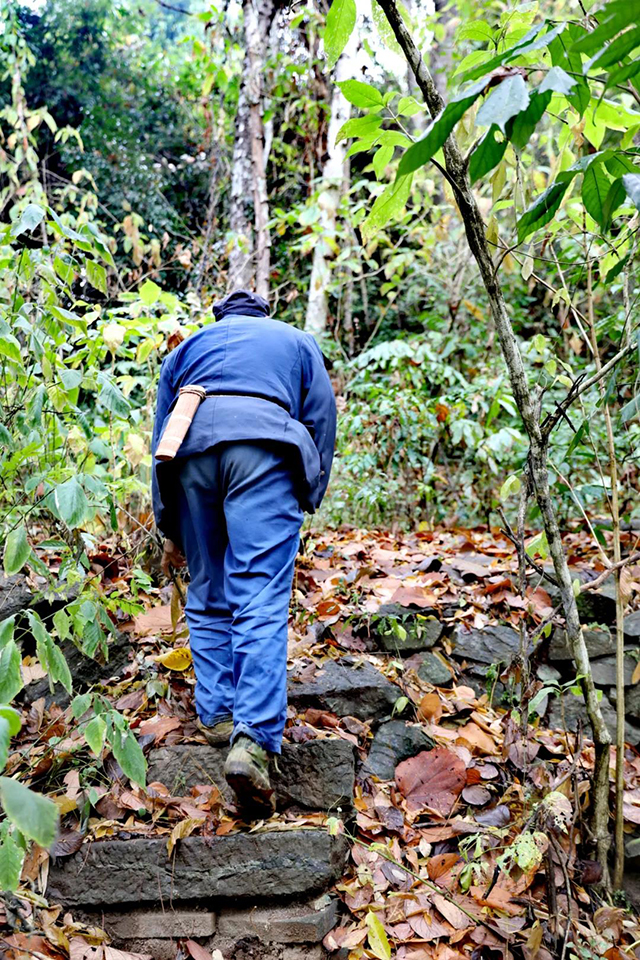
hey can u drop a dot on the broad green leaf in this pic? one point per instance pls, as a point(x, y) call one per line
point(388, 205)
point(361, 94)
point(541, 210)
point(487, 154)
point(112, 397)
point(358, 127)
point(558, 81)
point(129, 755)
point(384, 28)
point(64, 270)
point(16, 550)
point(94, 734)
point(622, 73)
point(613, 18)
point(631, 409)
point(5, 738)
point(377, 937)
point(80, 704)
point(615, 51)
point(149, 292)
point(506, 55)
point(11, 858)
point(31, 217)
point(10, 348)
point(381, 158)
point(7, 628)
point(509, 98)
point(408, 107)
point(11, 682)
point(439, 129)
point(96, 275)
point(35, 816)
point(13, 718)
point(614, 199)
point(59, 668)
point(521, 127)
point(595, 187)
point(511, 485)
point(563, 56)
point(91, 637)
point(70, 378)
point(341, 20)
point(62, 624)
point(631, 183)
point(71, 502)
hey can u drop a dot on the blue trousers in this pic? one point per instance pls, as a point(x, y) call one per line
point(240, 524)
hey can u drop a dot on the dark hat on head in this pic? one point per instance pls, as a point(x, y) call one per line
point(241, 302)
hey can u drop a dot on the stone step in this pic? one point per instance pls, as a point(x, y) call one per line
point(273, 863)
point(347, 688)
point(316, 775)
point(399, 630)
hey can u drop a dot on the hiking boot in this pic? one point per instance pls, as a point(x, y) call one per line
point(217, 735)
point(247, 772)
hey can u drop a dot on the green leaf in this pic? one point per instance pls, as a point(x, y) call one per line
point(624, 72)
point(31, 217)
point(506, 55)
point(70, 378)
point(341, 20)
point(112, 398)
point(94, 734)
point(359, 127)
point(35, 816)
point(614, 199)
point(16, 550)
point(487, 154)
point(572, 64)
point(11, 859)
point(388, 205)
point(558, 81)
point(595, 187)
point(615, 51)
point(12, 717)
point(541, 210)
point(149, 292)
point(439, 129)
point(509, 98)
point(408, 107)
point(381, 158)
point(378, 941)
point(64, 270)
point(361, 94)
point(5, 738)
point(71, 502)
point(129, 755)
point(11, 682)
point(96, 275)
point(631, 409)
point(511, 485)
point(631, 183)
point(7, 628)
point(10, 348)
point(62, 624)
point(59, 668)
point(614, 18)
point(524, 123)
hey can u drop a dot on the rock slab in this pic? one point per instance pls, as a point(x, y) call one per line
point(490, 645)
point(394, 741)
point(261, 865)
point(317, 775)
point(346, 690)
point(291, 923)
point(402, 630)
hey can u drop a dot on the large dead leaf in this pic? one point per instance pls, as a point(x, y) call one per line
point(433, 779)
point(155, 620)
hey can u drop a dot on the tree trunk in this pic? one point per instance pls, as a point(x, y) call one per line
point(332, 186)
point(249, 258)
point(456, 171)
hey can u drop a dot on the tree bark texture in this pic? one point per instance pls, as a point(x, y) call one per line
point(332, 186)
point(249, 257)
point(456, 171)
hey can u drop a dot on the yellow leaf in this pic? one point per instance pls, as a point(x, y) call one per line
point(183, 829)
point(179, 659)
point(635, 677)
point(64, 804)
point(378, 942)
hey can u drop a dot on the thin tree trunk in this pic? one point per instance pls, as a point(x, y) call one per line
point(249, 257)
point(258, 15)
point(334, 175)
point(538, 449)
point(241, 266)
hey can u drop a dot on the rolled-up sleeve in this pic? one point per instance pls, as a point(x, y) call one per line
point(318, 413)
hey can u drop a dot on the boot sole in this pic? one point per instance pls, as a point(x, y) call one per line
point(250, 795)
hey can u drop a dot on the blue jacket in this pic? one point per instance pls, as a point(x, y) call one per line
point(291, 401)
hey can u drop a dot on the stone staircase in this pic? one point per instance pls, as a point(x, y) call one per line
point(260, 893)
